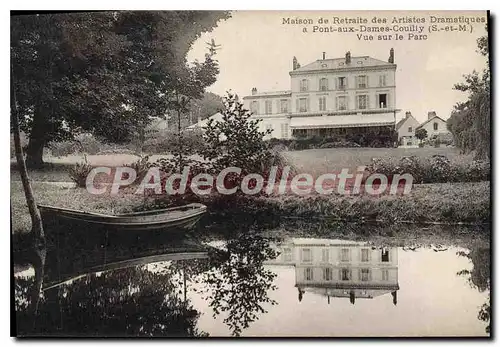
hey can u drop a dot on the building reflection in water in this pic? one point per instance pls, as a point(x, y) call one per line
point(341, 269)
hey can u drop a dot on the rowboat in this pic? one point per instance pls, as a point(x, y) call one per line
point(181, 217)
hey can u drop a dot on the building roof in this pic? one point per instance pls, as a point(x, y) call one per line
point(271, 93)
point(201, 124)
point(342, 121)
point(402, 121)
point(339, 63)
point(428, 120)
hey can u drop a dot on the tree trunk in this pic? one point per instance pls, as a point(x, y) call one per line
point(36, 219)
point(34, 152)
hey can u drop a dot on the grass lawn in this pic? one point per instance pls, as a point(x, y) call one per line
point(75, 198)
point(313, 161)
point(319, 161)
point(449, 202)
point(56, 169)
point(440, 202)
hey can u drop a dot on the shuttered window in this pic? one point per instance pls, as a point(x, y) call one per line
point(304, 85)
point(362, 82)
point(269, 107)
point(322, 103)
point(323, 84)
point(362, 102)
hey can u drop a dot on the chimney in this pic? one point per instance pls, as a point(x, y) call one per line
point(324, 55)
point(407, 114)
point(431, 114)
point(254, 91)
point(391, 56)
point(348, 58)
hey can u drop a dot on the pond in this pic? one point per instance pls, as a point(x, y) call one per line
point(255, 283)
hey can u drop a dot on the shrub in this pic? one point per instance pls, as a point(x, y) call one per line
point(117, 151)
point(79, 172)
point(62, 148)
point(83, 143)
point(165, 141)
point(340, 144)
point(437, 169)
point(235, 140)
point(141, 167)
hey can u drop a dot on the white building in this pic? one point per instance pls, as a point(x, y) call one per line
point(342, 269)
point(217, 117)
point(435, 126)
point(406, 128)
point(331, 97)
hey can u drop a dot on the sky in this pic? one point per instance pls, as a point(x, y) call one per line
point(257, 51)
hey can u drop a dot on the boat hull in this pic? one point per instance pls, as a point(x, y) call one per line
point(184, 217)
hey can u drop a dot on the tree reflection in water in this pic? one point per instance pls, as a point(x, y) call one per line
point(479, 277)
point(148, 300)
point(124, 302)
point(237, 284)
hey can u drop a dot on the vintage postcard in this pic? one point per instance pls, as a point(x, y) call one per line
point(250, 174)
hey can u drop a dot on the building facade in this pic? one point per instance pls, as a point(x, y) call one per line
point(435, 126)
point(341, 269)
point(406, 128)
point(331, 97)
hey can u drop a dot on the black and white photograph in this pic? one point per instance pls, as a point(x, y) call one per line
point(243, 173)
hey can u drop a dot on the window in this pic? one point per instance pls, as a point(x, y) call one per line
point(362, 102)
point(284, 130)
point(323, 84)
point(341, 103)
point(306, 255)
point(322, 103)
point(385, 255)
point(364, 275)
point(269, 107)
point(382, 100)
point(255, 107)
point(410, 129)
point(435, 126)
point(303, 105)
point(325, 255)
point(327, 274)
point(382, 80)
point(342, 82)
point(304, 85)
point(365, 255)
point(362, 81)
point(308, 274)
point(269, 127)
point(284, 106)
point(345, 254)
point(345, 275)
point(385, 275)
point(287, 254)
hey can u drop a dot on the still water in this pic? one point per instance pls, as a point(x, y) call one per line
point(257, 286)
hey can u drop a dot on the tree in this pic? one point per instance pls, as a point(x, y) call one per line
point(470, 122)
point(238, 285)
point(106, 73)
point(37, 230)
point(236, 139)
point(124, 302)
point(205, 107)
point(421, 134)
